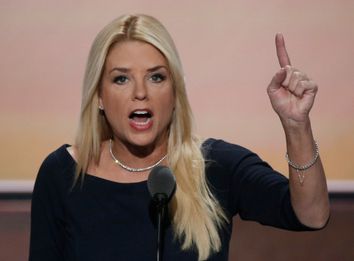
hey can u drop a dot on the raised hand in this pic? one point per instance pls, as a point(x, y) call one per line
point(291, 91)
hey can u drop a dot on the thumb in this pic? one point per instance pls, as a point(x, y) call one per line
point(277, 80)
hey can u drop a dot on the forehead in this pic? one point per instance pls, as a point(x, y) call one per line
point(131, 54)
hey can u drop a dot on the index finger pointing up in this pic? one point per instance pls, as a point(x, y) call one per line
point(282, 54)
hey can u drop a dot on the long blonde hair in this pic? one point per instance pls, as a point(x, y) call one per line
point(196, 214)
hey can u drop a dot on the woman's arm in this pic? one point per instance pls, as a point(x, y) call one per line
point(292, 95)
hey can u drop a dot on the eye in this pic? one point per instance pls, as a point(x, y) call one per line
point(157, 77)
point(121, 79)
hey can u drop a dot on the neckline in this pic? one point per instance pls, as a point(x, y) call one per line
point(101, 179)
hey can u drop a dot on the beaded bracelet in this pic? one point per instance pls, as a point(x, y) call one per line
point(300, 169)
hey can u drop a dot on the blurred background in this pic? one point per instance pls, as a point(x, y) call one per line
point(228, 52)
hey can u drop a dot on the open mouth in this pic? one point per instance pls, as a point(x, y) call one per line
point(140, 117)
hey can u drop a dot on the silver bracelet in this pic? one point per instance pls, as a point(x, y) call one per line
point(301, 168)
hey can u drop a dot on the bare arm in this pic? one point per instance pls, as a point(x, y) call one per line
point(292, 95)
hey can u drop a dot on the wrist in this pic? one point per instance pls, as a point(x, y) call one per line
point(296, 128)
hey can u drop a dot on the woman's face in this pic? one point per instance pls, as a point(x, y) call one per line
point(136, 94)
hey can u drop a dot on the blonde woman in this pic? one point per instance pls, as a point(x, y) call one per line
point(90, 200)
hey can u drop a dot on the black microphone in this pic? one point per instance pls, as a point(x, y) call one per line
point(162, 185)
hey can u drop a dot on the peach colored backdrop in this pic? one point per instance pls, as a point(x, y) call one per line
point(228, 54)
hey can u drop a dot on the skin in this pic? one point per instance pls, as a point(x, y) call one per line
point(135, 77)
point(292, 94)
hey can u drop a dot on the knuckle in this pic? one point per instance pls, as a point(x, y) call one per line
point(297, 74)
point(288, 67)
point(302, 84)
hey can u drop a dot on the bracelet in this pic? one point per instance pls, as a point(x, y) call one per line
point(300, 169)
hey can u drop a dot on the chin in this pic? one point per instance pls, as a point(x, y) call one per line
point(142, 140)
point(147, 140)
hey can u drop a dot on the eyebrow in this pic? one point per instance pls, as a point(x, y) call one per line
point(125, 70)
point(156, 68)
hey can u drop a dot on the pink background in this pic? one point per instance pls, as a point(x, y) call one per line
point(229, 57)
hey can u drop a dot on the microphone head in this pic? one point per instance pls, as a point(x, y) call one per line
point(161, 183)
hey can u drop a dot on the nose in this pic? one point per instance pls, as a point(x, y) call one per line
point(140, 91)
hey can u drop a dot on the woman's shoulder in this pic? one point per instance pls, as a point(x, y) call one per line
point(218, 147)
point(230, 156)
point(54, 179)
point(63, 156)
point(56, 164)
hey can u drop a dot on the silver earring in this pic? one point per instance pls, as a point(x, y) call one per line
point(101, 110)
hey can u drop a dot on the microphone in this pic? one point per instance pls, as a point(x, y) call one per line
point(161, 185)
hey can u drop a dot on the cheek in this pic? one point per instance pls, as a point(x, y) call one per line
point(169, 101)
point(114, 109)
point(165, 105)
point(168, 107)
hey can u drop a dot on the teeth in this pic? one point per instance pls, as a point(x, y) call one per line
point(142, 123)
point(141, 112)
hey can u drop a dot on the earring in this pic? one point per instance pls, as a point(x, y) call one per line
point(101, 110)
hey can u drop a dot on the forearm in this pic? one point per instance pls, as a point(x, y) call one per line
point(309, 195)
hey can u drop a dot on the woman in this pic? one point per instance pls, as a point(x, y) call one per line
point(90, 200)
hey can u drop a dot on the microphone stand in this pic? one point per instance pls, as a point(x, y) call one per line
point(161, 204)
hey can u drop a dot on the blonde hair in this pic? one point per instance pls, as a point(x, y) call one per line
point(196, 214)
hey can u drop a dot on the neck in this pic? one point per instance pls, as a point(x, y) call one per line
point(137, 156)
